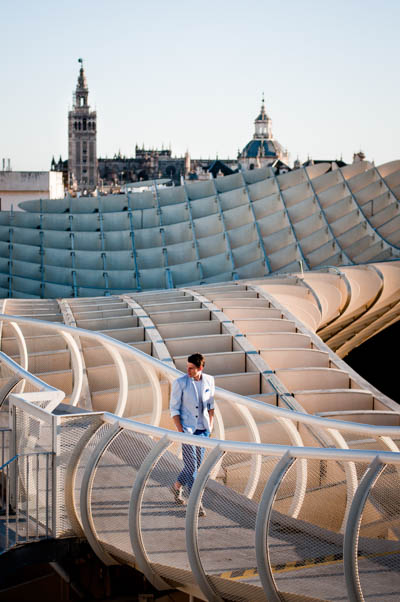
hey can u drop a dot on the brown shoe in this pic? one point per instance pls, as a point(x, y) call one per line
point(178, 496)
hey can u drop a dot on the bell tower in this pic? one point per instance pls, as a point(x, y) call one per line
point(82, 134)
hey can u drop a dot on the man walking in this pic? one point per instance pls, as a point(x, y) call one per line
point(192, 410)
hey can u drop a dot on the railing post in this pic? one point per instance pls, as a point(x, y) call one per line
point(70, 476)
point(191, 524)
point(55, 421)
point(351, 535)
point(135, 506)
point(13, 452)
point(7, 504)
point(8, 387)
point(86, 495)
point(262, 527)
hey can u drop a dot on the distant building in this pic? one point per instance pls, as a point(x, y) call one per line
point(17, 186)
point(61, 166)
point(334, 163)
point(145, 165)
point(206, 170)
point(83, 172)
point(263, 149)
point(360, 156)
point(82, 134)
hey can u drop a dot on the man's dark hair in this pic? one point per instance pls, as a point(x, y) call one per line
point(197, 359)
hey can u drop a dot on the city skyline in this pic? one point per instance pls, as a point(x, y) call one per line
point(193, 79)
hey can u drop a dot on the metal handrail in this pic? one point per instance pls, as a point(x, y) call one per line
point(268, 449)
point(222, 394)
point(244, 404)
point(9, 462)
point(24, 374)
point(217, 448)
point(24, 513)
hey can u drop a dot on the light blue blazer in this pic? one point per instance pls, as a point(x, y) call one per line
point(184, 401)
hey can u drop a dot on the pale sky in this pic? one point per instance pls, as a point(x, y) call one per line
point(191, 75)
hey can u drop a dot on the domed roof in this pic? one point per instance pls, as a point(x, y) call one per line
point(263, 143)
point(261, 148)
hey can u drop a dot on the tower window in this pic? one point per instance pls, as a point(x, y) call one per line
point(84, 124)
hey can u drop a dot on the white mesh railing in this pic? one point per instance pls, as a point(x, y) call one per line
point(112, 483)
point(26, 491)
point(136, 385)
point(141, 391)
point(127, 384)
point(112, 477)
point(17, 378)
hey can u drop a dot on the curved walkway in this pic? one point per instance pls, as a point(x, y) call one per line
point(298, 521)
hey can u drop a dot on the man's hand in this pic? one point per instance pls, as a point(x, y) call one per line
point(178, 424)
point(211, 417)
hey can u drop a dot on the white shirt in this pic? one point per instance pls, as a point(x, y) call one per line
point(199, 390)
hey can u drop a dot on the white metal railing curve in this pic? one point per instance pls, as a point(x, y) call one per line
point(285, 416)
point(21, 374)
point(231, 397)
point(226, 497)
